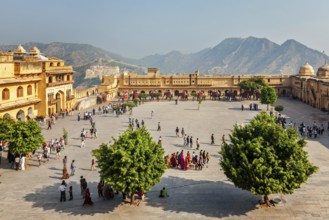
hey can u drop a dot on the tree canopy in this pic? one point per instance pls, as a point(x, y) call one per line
point(263, 158)
point(268, 96)
point(133, 163)
point(24, 137)
point(5, 126)
point(253, 83)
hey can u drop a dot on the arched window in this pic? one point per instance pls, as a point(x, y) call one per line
point(50, 79)
point(68, 77)
point(51, 64)
point(58, 64)
point(30, 111)
point(5, 94)
point(19, 91)
point(29, 90)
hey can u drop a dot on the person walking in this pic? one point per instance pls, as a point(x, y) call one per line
point(159, 126)
point(183, 132)
point(100, 190)
point(92, 164)
point(64, 161)
point(197, 144)
point(49, 125)
point(160, 141)
point(39, 158)
point(187, 141)
point(242, 107)
point(87, 200)
point(177, 132)
point(152, 114)
point(191, 142)
point(62, 189)
point(212, 139)
point(72, 168)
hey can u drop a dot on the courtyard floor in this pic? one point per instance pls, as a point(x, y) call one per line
point(206, 194)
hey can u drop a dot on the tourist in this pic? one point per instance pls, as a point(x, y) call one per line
point(49, 124)
point(159, 127)
point(212, 139)
point(184, 138)
point(72, 168)
point(62, 189)
point(100, 190)
point(71, 193)
point(92, 164)
point(84, 186)
point(65, 173)
point(183, 132)
point(39, 158)
point(160, 141)
point(242, 107)
point(187, 141)
point(177, 132)
point(87, 200)
point(163, 193)
point(152, 114)
point(197, 144)
point(191, 142)
point(64, 161)
point(142, 123)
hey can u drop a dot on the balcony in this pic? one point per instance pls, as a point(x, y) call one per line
point(56, 69)
point(59, 83)
point(70, 97)
point(52, 102)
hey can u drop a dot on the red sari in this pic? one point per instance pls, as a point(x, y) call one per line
point(87, 198)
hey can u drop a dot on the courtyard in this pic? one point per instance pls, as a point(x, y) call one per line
point(206, 194)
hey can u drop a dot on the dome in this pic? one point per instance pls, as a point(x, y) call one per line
point(34, 51)
point(323, 71)
point(19, 49)
point(306, 70)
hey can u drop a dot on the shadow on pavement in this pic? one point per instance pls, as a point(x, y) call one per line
point(48, 198)
point(211, 199)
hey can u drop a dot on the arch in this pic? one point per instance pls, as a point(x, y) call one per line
point(20, 116)
point(284, 92)
point(58, 64)
point(176, 93)
point(50, 79)
point(142, 92)
point(68, 78)
point(5, 94)
point(59, 101)
point(19, 92)
point(51, 64)
point(160, 91)
point(30, 110)
point(29, 90)
point(7, 115)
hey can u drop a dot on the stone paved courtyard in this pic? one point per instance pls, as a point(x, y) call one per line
point(206, 194)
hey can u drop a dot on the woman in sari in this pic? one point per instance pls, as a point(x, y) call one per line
point(87, 198)
point(66, 175)
point(174, 160)
point(182, 161)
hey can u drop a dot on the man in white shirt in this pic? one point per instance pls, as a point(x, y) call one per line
point(62, 189)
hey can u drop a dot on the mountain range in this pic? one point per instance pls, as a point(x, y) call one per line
point(231, 56)
point(239, 56)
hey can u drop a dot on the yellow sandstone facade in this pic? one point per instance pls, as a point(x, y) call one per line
point(34, 85)
point(305, 86)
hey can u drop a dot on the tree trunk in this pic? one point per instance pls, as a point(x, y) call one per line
point(267, 201)
point(132, 198)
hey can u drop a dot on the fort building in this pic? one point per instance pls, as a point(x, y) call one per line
point(32, 84)
point(306, 86)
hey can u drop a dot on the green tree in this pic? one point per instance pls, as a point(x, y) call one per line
point(133, 163)
point(6, 124)
point(264, 159)
point(24, 137)
point(279, 108)
point(251, 84)
point(268, 96)
point(130, 105)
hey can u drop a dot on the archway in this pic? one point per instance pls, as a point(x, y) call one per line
point(7, 115)
point(59, 102)
point(176, 93)
point(20, 116)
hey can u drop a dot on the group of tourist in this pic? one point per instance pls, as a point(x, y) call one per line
point(179, 160)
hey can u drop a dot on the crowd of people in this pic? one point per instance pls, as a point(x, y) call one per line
point(179, 160)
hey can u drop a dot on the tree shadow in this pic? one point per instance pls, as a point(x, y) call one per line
point(48, 197)
point(211, 199)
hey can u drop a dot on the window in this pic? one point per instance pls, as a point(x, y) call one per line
point(68, 78)
point(51, 64)
point(29, 90)
point(50, 79)
point(5, 94)
point(19, 92)
point(58, 64)
point(268, 80)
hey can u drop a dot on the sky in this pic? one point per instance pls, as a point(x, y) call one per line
point(137, 28)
